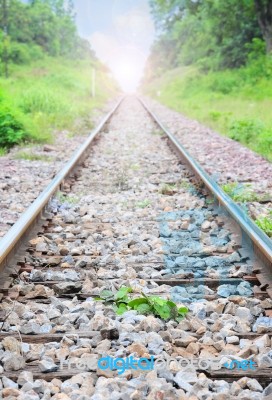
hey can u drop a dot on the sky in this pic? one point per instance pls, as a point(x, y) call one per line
point(121, 33)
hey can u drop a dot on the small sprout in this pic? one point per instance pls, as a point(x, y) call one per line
point(135, 167)
point(157, 133)
point(168, 189)
point(67, 199)
point(143, 204)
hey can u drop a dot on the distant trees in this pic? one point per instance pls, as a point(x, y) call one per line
point(38, 27)
point(214, 34)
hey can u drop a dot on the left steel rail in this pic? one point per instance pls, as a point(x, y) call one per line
point(21, 229)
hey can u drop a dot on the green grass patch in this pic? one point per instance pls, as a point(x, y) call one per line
point(143, 204)
point(157, 133)
point(240, 193)
point(3, 151)
point(67, 199)
point(49, 95)
point(168, 189)
point(236, 103)
point(30, 156)
point(265, 223)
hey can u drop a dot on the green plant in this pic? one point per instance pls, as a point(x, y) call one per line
point(135, 167)
point(143, 204)
point(43, 100)
point(265, 223)
point(157, 133)
point(67, 199)
point(215, 115)
point(24, 155)
point(240, 193)
point(168, 189)
point(122, 302)
point(11, 129)
point(3, 151)
point(184, 184)
point(244, 130)
point(121, 180)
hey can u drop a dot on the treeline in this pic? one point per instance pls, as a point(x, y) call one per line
point(45, 73)
point(213, 34)
point(29, 31)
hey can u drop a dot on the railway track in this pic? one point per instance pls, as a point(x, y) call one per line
point(135, 210)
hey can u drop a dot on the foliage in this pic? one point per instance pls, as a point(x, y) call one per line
point(47, 67)
point(265, 223)
point(168, 189)
point(67, 199)
point(53, 94)
point(122, 302)
point(143, 204)
point(41, 26)
point(244, 130)
point(212, 34)
point(11, 129)
point(3, 151)
point(235, 102)
point(239, 192)
point(30, 156)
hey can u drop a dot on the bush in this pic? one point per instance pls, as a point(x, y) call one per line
point(244, 130)
point(224, 84)
point(21, 53)
point(11, 130)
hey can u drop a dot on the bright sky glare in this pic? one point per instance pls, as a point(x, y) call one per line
point(121, 33)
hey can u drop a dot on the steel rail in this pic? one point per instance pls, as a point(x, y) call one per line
point(20, 229)
point(262, 245)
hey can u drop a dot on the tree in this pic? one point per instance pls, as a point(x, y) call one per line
point(213, 33)
point(264, 14)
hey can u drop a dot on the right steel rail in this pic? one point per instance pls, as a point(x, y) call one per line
point(261, 244)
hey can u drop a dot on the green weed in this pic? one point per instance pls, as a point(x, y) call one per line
point(68, 199)
point(184, 184)
point(30, 156)
point(11, 128)
point(236, 102)
point(122, 301)
point(49, 95)
point(157, 133)
point(135, 167)
point(143, 204)
point(245, 130)
point(265, 223)
point(3, 151)
point(240, 193)
point(168, 189)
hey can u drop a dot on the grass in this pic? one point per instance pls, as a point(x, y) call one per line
point(168, 189)
point(236, 103)
point(244, 194)
point(143, 204)
point(50, 95)
point(157, 133)
point(265, 223)
point(240, 193)
point(30, 156)
point(135, 167)
point(64, 199)
point(3, 151)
